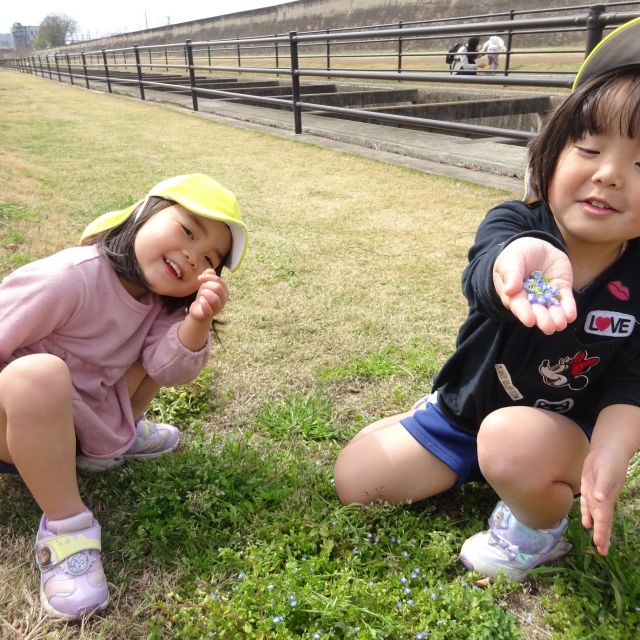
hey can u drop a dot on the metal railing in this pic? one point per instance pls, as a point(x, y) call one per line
point(155, 67)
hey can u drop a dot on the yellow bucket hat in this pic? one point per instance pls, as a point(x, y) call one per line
point(201, 195)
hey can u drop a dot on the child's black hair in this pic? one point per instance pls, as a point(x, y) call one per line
point(608, 102)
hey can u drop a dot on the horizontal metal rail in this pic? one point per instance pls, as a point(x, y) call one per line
point(94, 66)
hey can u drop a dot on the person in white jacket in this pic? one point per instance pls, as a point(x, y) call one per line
point(493, 47)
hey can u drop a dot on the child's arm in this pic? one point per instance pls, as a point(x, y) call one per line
point(616, 437)
point(211, 297)
point(515, 263)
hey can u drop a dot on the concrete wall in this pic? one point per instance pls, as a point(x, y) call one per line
point(312, 15)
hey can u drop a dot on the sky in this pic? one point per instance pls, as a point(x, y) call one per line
point(97, 18)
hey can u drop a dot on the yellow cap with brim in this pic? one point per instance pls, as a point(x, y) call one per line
point(619, 49)
point(197, 193)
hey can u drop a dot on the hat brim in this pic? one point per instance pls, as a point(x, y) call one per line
point(621, 48)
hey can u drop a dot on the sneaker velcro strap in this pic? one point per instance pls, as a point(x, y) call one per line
point(54, 550)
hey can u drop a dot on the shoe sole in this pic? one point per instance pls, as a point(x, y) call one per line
point(85, 611)
point(559, 551)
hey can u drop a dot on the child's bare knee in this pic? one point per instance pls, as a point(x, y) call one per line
point(30, 377)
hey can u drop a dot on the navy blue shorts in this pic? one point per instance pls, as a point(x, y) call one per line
point(456, 448)
point(6, 467)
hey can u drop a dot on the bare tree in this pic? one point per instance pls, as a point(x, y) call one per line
point(55, 30)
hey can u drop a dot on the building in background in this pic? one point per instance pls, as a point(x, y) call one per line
point(23, 36)
point(6, 41)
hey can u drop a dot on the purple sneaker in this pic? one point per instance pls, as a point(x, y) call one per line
point(72, 582)
point(512, 548)
point(152, 440)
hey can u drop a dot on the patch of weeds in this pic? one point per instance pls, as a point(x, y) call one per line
point(307, 416)
point(10, 211)
point(341, 573)
point(185, 406)
point(18, 259)
point(598, 596)
point(414, 360)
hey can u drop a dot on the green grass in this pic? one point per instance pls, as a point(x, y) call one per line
point(343, 312)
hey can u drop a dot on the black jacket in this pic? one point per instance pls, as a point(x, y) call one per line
point(499, 362)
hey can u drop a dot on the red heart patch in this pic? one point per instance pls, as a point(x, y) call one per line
point(617, 289)
point(602, 323)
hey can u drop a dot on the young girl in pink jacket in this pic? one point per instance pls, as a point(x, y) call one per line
point(87, 338)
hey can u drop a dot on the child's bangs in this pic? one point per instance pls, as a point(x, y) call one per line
point(613, 108)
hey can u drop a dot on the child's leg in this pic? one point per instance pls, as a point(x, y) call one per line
point(142, 389)
point(533, 459)
point(152, 440)
point(37, 433)
point(384, 462)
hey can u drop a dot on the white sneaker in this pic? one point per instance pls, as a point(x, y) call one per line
point(511, 548)
point(152, 440)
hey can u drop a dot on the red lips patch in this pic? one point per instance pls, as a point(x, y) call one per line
point(617, 289)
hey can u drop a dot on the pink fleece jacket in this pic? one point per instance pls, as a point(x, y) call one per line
point(73, 305)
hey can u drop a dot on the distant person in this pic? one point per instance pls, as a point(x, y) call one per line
point(541, 398)
point(88, 336)
point(463, 61)
point(493, 47)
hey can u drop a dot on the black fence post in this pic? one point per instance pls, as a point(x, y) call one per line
point(209, 56)
point(106, 70)
point(400, 49)
point(277, 53)
point(150, 61)
point(166, 58)
point(192, 75)
point(595, 27)
point(295, 82)
point(32, 66)
point(84, 67)
point(40, 65)
point(49, 67)
point(507, 57)
point(328, 52)
point(69, 67)
point(55, 57)
point(136, 53)
point(238, 53)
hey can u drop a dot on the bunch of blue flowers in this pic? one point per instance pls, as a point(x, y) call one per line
point(540, 290)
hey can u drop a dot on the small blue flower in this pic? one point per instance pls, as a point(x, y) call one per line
point(369, 536)
point(403, 580)
point(316, 635)
point(405, 554)
point(241, 575)
point(213, 595)
point(410, 602)
point(434, 595)
point(270, 587)
point(407, 590)
point(292, 600)
point(372, 583)
point(277, 619)
point(422, 635)
point(398, 605)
